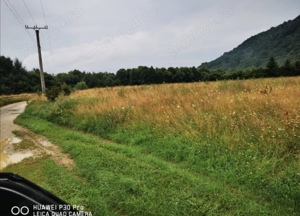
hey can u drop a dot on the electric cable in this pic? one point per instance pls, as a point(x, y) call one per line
point(16, 15)
point(29, 12)
point(49, 39)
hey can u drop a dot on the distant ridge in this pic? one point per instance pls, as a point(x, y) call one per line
point(281, 42)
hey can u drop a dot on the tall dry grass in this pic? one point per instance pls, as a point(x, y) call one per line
point(8, 99)
point(239, 111)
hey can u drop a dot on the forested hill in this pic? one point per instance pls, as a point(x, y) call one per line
point(281, 42)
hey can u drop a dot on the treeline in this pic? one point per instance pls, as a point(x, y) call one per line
point(146, 75)
point(16, 79)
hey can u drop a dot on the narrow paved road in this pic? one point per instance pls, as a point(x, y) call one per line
point(8, 154)
point(8, 114)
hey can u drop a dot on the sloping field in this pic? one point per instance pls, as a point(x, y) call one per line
point(220, 148)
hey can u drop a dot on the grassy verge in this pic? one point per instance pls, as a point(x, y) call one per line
point(218, 148)
point(114, 179)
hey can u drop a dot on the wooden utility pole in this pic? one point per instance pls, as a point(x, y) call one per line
point(40, 54)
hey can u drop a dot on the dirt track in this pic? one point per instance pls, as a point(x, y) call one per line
point(8, 154)
point(8, 114)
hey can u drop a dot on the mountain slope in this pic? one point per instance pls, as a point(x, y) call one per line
point(281, 42)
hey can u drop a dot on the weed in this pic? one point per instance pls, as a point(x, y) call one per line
point(18, 133)
point(24, 145)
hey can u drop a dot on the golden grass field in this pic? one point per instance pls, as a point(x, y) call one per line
point(267, 108)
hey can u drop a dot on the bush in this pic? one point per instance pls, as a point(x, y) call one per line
point(52, 93)
point(66, 89)
point(81, 85)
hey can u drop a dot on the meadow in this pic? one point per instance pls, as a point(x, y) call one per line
point(207, 148)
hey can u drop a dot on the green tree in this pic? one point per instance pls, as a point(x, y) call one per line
point(123, 76)
point(272, 67)
point(134, 77)
point(91, 80)
point(66, 89)
point(287, 68)
point(296, 68)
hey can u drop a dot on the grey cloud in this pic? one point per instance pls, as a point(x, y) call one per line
point(108, 35)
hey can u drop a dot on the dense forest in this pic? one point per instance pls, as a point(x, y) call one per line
point(16, 79)
point(281, 42)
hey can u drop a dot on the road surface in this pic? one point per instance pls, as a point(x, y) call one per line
point(8, 154)
point(8, 114)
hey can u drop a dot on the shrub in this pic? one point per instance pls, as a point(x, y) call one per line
point(52, 93)
point(66, 89)
point(81, 85)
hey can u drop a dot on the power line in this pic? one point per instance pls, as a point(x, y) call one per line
point(15, 13)
point(29, 11)
point(43, 11)
point(11, 8)
point(49, 39)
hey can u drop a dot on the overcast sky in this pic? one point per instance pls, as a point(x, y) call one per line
point(106, 35)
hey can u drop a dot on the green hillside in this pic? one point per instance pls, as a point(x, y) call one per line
point(281, 42)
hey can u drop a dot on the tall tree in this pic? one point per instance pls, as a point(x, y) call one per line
point(272, 67)
point(287, 68)
point(297, 68)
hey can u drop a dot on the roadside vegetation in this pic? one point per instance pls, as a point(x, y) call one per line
point(8, 99)
point(207, 148)
point(24, 145)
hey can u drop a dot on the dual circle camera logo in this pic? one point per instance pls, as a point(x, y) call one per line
point(16, 210)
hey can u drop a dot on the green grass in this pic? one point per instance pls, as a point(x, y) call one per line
point(135, 179)
point(18, 133)
point(24, 145)
point(47, 174)
point(219, 148)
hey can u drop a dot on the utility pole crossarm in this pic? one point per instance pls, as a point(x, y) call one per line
point(37, 31)
point(36, 27)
